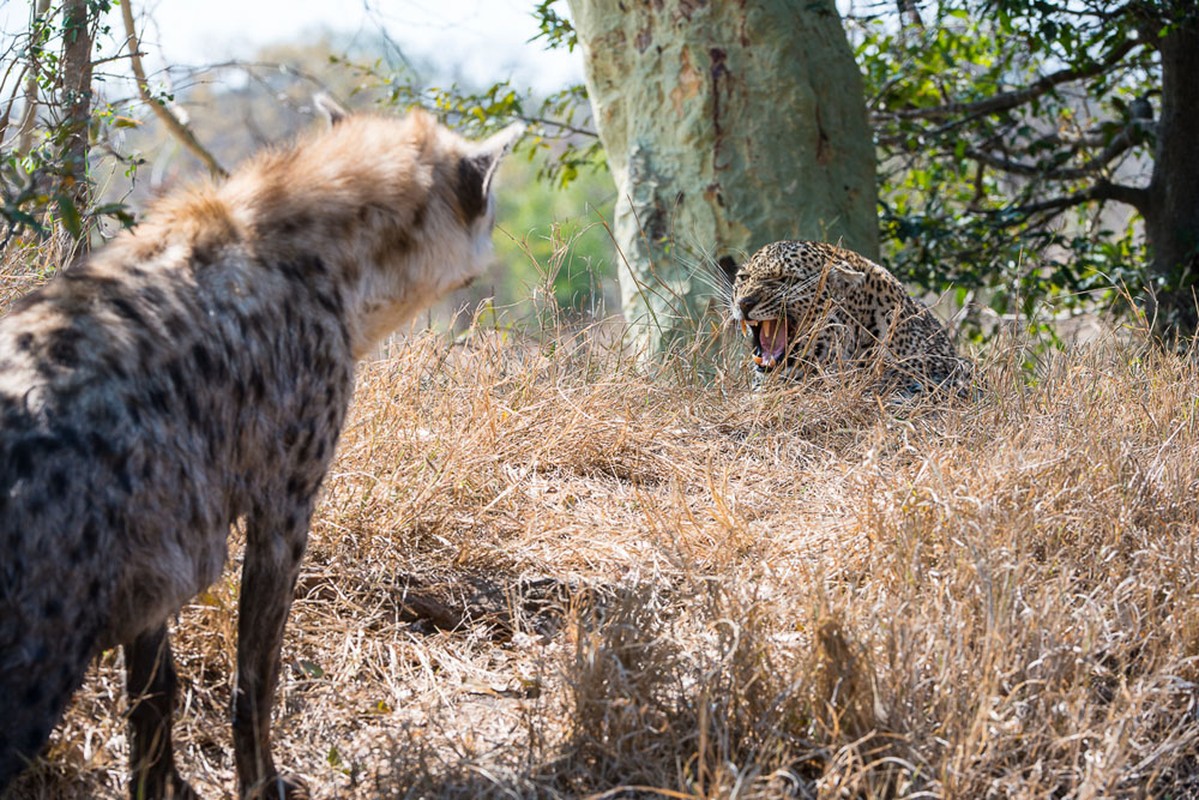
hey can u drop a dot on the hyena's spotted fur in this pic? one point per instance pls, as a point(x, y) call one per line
point(195, 372)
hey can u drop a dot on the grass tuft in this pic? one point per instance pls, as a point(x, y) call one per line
point(538, 572)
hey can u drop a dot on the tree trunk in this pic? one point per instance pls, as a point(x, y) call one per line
point(726, 126)
point(76, 79)
point(1172, 211)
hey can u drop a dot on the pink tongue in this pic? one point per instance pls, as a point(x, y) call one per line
point(774, 343)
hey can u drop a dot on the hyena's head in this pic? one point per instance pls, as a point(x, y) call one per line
point(401, 208)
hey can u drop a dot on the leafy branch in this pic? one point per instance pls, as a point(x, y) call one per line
point(1006, 101)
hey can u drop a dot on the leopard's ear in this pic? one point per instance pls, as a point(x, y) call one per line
point(843, 275)
point(330, 109)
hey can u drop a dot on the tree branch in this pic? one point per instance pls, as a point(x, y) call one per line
point(909, 14)
point(29, 115)
point(560, 126)
point(1119, 144)
point(12, 101)
point(1103, 190)
point(1009, 100)
point(166, 115)
point(248, 67)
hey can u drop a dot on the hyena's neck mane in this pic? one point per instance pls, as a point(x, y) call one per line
point(309, 196)
point(327, 180)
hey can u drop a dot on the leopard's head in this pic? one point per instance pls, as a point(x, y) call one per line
point(781, 293)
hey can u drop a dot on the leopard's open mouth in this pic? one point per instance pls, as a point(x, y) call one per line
point(770, 338)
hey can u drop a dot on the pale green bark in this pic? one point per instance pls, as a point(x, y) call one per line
point(727, 125)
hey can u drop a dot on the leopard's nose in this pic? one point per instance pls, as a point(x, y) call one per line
point(745, 304)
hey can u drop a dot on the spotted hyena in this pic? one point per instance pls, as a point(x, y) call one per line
point(194, 372)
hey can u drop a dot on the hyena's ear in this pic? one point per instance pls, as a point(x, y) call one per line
point(495, 147)
point(477, 168)
point(329, 108)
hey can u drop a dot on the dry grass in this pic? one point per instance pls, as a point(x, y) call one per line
point(537, 572)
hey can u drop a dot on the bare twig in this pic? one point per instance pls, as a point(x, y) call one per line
point(287, 69)
point(560, 125)
point(29, 114)
point(171, 120)
point(7, 115)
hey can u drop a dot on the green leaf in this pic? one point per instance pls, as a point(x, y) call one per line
point(69, 214)
point(311, 669)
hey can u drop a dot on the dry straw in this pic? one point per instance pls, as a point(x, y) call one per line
point(539, 572)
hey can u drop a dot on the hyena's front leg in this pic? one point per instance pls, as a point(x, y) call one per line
point(272, 563)
point(151, 684)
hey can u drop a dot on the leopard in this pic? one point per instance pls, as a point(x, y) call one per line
point(814, 308)
point(190, 377)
